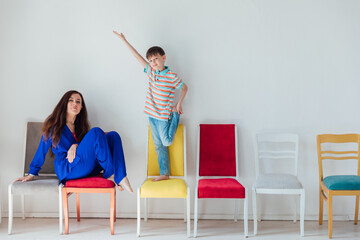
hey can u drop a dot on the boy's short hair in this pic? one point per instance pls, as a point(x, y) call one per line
point(154, 50)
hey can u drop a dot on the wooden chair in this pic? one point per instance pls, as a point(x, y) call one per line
point(338, 147)
point(96, 184)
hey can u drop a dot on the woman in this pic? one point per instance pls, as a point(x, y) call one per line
point(79, 152)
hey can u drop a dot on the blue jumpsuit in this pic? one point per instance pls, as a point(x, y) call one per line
point(96, 152)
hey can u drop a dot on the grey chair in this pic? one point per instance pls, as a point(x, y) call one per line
point(44, 184)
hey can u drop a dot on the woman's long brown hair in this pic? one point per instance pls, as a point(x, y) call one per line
point(56, 121)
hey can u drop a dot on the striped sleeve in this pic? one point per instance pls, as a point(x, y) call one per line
point(178, 82)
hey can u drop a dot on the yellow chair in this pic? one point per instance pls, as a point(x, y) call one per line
point(176, 186)
point(336, 147)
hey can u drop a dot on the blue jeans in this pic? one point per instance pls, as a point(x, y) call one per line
point(163, 133)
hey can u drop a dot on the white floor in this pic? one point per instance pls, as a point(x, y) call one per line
point(125, 229)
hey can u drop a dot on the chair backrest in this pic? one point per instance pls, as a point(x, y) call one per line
point(276, 146)
point(217, 150)
point(177, 156)
point(32, 140)
point(338, 147)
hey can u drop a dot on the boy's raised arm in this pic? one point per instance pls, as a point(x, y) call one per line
point(140, 59)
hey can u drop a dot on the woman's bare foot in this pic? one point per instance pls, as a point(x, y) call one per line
point(111, 178)
point(162, 177)
point(126, 184)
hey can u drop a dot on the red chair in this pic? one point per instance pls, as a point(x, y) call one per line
point(96, 184)
point(217, 174)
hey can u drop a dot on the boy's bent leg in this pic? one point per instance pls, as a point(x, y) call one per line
point(161, 150)
point(168, 129)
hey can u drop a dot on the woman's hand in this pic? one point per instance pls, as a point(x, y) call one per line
point(71, 153)
point(25, 179)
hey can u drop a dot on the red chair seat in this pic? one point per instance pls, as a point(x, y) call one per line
point(220, 188)
point(90, 182)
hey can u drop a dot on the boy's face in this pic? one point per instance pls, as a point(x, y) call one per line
point(157, 62)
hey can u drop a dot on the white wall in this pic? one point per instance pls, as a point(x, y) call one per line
point(278, 65)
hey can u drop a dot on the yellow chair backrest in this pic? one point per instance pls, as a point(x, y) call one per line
point(176, 155)
point(337, 155)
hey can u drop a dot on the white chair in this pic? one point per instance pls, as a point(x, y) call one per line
point(44, 184)
point(270, 148)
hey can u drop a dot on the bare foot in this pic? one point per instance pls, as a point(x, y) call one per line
point(162, 177)
point(126, 184)
point(111, 178)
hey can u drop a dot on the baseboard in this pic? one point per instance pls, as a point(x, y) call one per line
point(180, 216)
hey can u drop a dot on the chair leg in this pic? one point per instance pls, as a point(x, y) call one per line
point(254, 210)
point(246, 207)
point(302, 212)
point(23, 206)
point(60, 210)
point(356, 210)
point(321, 207)
point(66, 210)
point(258, 207)
point(112, 209)
point(138, 213)
point(330, 215)
point(11, 198)
point(296, 207)
point(188, 227)
point(78, 206)
point(236, 210)
point(196, 213)
point(145, 209)
point(115, 205)
point(185, 209)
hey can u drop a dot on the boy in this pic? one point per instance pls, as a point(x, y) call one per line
point(163, 116)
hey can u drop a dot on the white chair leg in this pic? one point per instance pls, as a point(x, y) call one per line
point(60, 210)
point(246, 207)
point(23, 206)
point(258, 207)
point(145, 209)
point(188, 212)
point(302, 211)
point(195, 213)
point(296, 207)
point(185, 209)
point(138, 213)
point(236, 210)
point(11, 198)
point(254, 210)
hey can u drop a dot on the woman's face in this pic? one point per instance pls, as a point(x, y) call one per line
point(74, 104)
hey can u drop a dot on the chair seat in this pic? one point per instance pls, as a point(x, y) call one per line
point(38, 186)
point(277, 181)
point(342, 182)
point(172, 188)
point(220, 188)
point(90, 182)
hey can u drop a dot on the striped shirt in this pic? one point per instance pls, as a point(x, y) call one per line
point(161, 91)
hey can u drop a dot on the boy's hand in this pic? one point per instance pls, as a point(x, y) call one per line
point(120, 35)
point(138, 57)
point(177, 108)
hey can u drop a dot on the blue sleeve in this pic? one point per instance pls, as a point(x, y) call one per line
point(40, 155)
